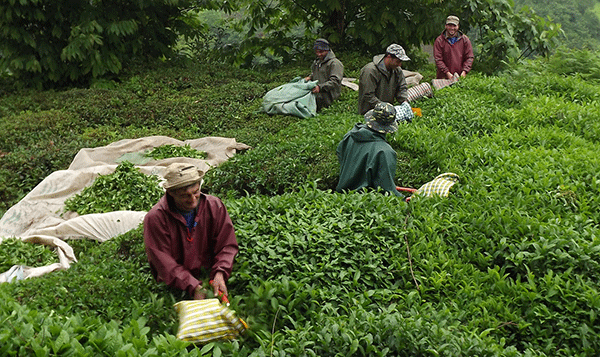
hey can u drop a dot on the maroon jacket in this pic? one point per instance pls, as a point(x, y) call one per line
point(177, 258)
point(452, 58)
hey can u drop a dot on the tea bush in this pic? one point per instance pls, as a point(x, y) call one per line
point(331, 273)
point(33, 332)
point(507, 265)
point(106, 278)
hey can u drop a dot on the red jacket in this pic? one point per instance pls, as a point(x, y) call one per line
point(452, 58)
point(177, 258)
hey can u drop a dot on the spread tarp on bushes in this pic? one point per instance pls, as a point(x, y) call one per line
point(37, 217)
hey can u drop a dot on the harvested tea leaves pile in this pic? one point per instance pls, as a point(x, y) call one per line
point(14, 251)
point(169, 150)
point(126, 189)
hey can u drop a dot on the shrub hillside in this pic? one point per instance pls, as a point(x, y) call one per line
point(507, 265)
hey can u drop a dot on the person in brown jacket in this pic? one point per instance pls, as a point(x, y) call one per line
point(452, 51)
point(188, 232)
point(382, 80)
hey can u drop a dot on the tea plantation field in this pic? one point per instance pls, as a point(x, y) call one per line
point(507, 265)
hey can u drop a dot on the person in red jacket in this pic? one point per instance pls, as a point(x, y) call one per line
point(188, 232)
point(452, 51)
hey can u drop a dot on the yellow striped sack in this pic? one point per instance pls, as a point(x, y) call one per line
point(202, 321)
point(439, 186)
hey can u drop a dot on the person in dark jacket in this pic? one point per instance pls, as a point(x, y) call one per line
point(328, 71)
point(452, 51)
point(366, 159)
point(188, 232)
point(382, 80)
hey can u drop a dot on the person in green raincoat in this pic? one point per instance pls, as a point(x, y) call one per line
point(366, 159)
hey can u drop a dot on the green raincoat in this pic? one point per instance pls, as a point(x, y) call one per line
point(366, 160)
point(376, 84)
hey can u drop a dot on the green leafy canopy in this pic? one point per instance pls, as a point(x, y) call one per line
point(46, 43)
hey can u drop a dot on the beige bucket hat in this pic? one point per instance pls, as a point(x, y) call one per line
point(181, 175)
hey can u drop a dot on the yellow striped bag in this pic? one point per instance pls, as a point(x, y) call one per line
point(202, 321)
point(439, 186)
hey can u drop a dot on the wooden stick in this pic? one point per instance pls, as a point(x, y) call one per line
point(409, 257)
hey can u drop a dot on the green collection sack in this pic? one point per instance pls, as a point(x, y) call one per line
point(294, 98)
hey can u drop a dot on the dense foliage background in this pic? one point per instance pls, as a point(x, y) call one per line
point(46, 44)
point(505, 266)
point(580, 19)
point(59, 42)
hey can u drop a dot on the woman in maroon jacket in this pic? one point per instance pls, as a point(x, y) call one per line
point(452, 51)
point(188, 231)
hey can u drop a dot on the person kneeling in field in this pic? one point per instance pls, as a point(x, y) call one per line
point(366, 158)
point(188, 231)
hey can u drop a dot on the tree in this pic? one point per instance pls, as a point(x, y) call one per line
point(57, 42)
point(501, 35)
point(371, 25)
point(578, 19)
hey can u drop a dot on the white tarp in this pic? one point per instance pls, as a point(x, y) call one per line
point(38, 217)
